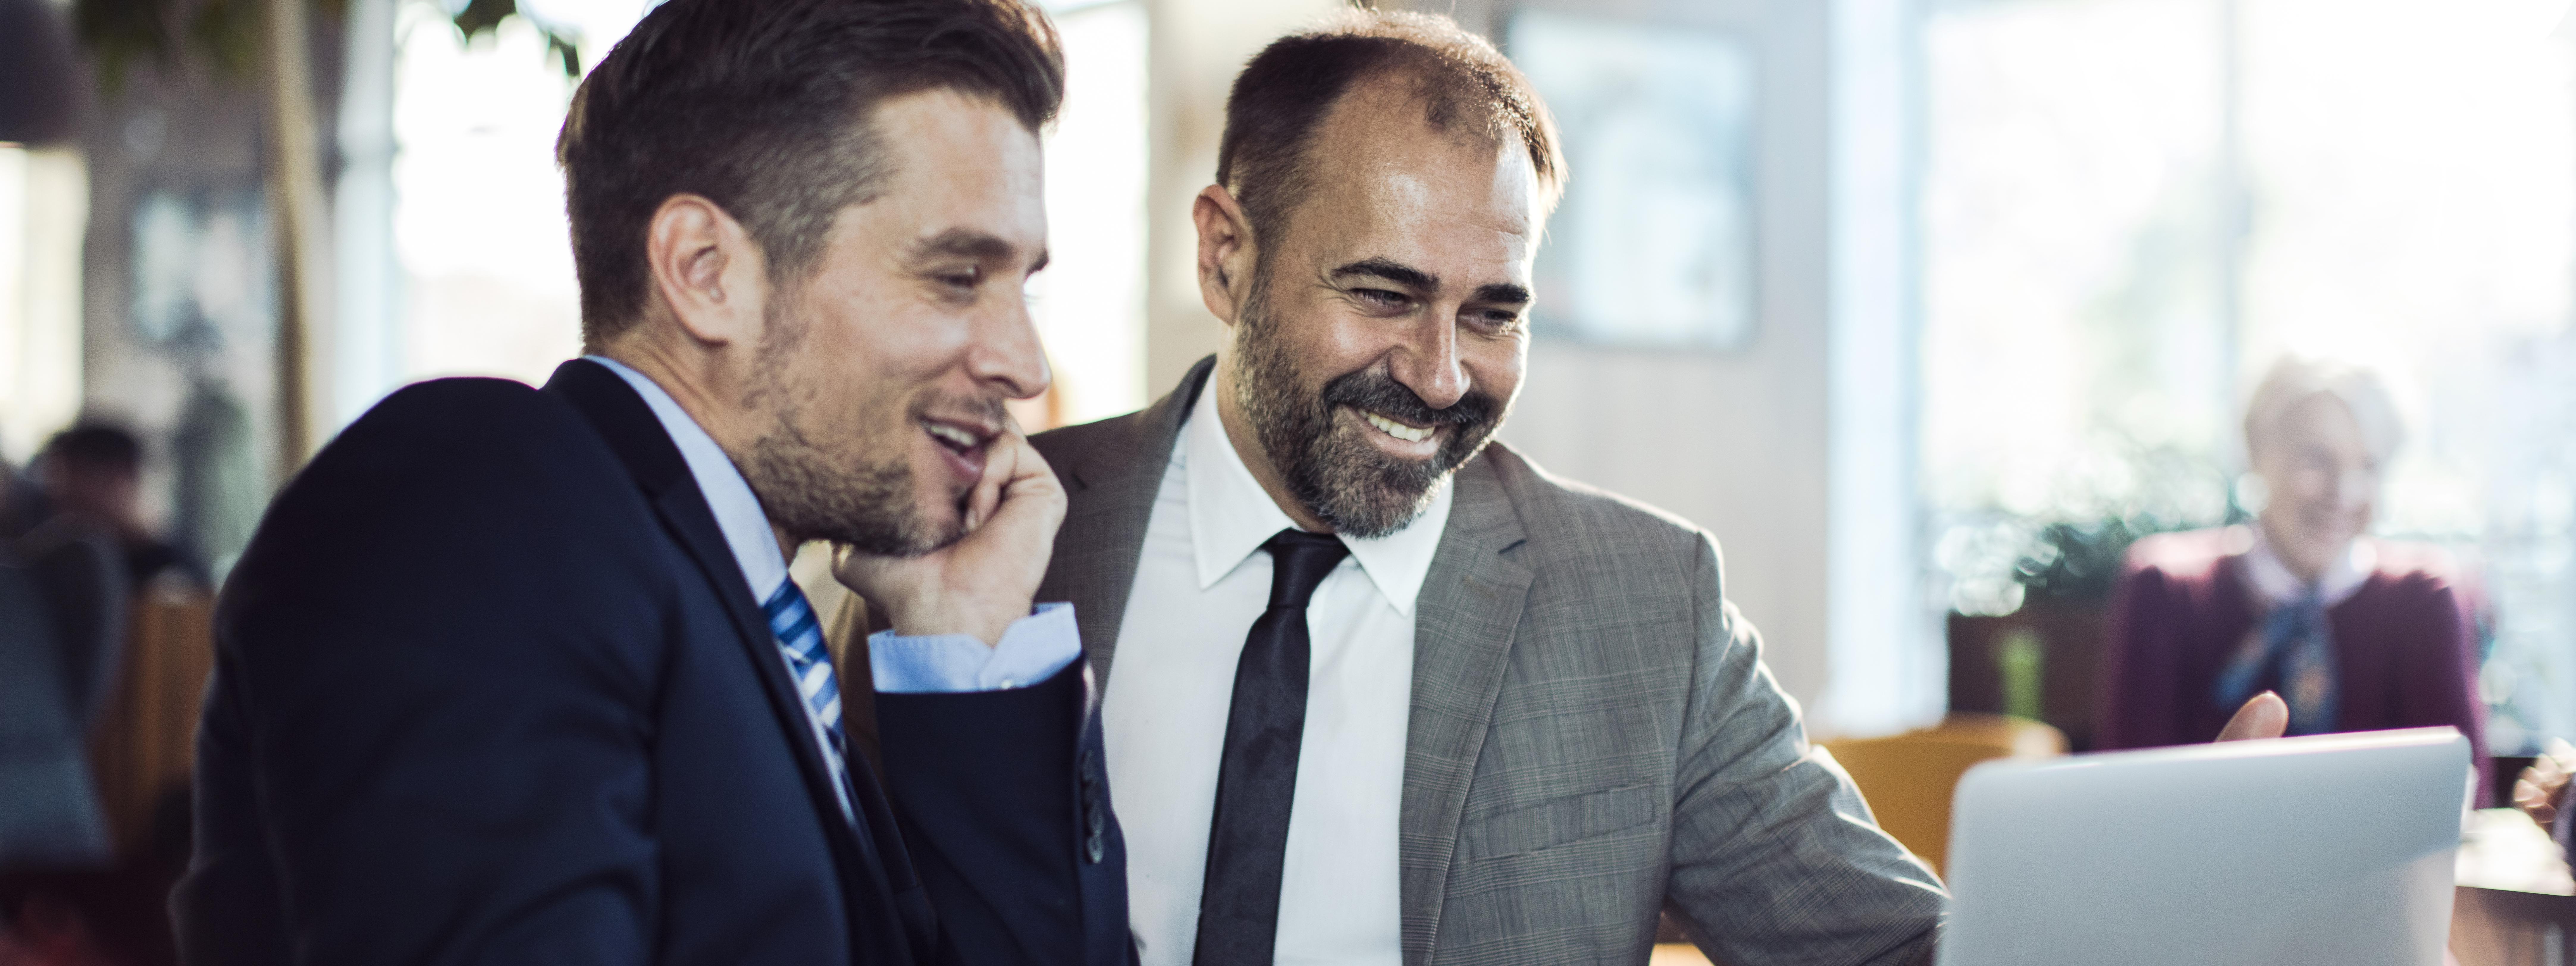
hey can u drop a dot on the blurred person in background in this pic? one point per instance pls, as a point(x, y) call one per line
point(22, 503)
point(66, 897)
point(2355, 633)
point(93, 472)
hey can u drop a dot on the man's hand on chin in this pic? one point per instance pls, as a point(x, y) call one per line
point(2264, 716)
point(980, 584)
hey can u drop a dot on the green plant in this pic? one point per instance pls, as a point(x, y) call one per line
point(2076, 558)
point(2069, 548)
point(224, 34)
point(484, 16)
point(2080, 561)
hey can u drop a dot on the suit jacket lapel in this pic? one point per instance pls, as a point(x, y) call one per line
point(1463, 622)
point(873, 887)
point(1462, 637)
point(1109, 502)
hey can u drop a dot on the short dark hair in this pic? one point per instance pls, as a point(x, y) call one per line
point(98, 446)
point(1462, 83)
point(762, 106)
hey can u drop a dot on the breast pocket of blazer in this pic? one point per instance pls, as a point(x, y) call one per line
point(1562, 821)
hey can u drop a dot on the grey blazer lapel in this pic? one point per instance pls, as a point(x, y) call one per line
point(1109, 493)
point(1462, 639)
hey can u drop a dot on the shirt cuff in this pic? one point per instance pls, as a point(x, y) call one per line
point(1032, 649)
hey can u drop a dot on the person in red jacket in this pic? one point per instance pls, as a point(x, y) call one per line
point(2355, 633)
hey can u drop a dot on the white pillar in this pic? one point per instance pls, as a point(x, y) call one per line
point(366, 359)
point(1887, 670)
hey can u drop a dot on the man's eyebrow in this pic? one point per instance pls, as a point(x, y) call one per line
point(966, 242)
point(1400, 274)
point(1503, 293)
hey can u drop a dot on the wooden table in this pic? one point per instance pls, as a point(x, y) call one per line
point(2500, 927)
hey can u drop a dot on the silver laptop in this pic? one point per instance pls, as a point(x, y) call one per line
point(2326, 849)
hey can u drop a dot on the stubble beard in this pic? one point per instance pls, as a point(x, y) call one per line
point(818, 491)
point(1342, 479)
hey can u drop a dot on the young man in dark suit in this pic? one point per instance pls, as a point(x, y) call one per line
point(514, 675)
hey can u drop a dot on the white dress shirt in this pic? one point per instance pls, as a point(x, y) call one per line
point(2274, 584)
point(1201, 581)
point(1033, 649)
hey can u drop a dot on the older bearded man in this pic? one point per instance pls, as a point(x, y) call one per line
point(1482, 714)
point(1378, 689)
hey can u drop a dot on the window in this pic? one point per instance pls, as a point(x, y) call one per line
point(478, 277)
point(478, 224)
point(1090, 301)
point(2131, 207)
point(43, 205)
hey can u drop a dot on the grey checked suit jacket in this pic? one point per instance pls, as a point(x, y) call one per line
point(1593, 736)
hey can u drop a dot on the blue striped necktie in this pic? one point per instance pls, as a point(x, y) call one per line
point(800, 636)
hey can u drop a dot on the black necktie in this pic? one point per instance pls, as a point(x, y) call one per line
point(1257, 779)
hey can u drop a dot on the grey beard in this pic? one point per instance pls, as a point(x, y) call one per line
point(1342, 480)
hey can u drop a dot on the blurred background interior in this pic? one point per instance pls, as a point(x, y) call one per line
point(1929, 309)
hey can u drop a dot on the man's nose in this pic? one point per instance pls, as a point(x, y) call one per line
point(2354, 487)
point(1008, 355)
point(1428, 364)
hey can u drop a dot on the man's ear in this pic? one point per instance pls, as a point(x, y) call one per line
point(706, 270)
point(1226, 254)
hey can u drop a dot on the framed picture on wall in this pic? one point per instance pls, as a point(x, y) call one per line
point(1652, 246)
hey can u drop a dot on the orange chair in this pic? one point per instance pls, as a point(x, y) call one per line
point(145, 745)
point(1908, 778)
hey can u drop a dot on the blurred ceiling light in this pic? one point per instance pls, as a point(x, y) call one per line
point(38, 93)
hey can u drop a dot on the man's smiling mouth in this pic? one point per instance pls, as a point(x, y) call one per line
point(958, 440)
point(1398, 430)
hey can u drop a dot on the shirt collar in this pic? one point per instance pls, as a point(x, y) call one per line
point(1231, 516)
point(2273, 581)
point(737, 510)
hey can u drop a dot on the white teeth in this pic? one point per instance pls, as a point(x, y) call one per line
point(952, 434)
point(1396, 429)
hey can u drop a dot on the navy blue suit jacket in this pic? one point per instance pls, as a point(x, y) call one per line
point(490, 688)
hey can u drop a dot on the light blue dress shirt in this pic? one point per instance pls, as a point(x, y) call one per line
point(1032, 649)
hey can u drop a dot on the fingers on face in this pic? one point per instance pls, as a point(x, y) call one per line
point(999, 469)
point(1024, 459)
point(987, 496)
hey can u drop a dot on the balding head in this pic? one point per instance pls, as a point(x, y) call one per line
point(1384, 183)
point(1452, 80)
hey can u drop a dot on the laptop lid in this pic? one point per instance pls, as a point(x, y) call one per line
point(2316, 850)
